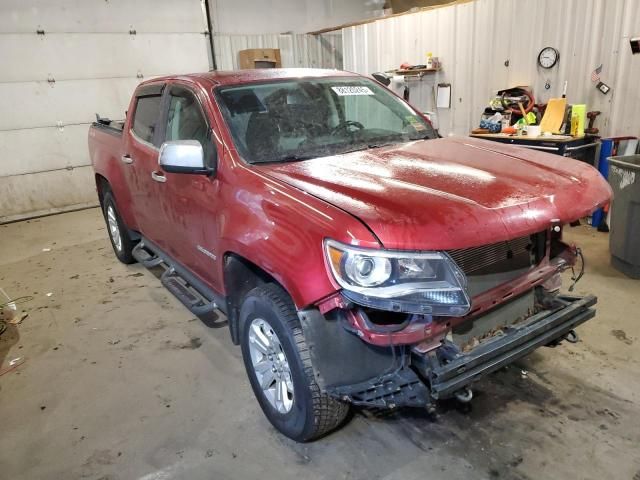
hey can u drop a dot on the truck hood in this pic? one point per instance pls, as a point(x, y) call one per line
point(449, 193)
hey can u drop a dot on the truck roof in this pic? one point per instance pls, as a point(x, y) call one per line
point(234, 77)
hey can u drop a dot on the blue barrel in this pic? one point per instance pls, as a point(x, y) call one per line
point(606, 149)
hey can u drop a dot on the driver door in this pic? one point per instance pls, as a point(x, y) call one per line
point(189, 202)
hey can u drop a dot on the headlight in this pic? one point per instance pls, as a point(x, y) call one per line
point(422, 282)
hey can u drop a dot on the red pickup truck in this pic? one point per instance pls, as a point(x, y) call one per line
point(359, 258)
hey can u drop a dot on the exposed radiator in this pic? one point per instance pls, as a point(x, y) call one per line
point(496, 257)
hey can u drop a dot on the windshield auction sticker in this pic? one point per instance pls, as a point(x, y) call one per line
point(415, 123)
point(352, 90)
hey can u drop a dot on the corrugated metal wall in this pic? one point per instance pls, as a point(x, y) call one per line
point(85, 61)
point(475, 39)
point(296, 50)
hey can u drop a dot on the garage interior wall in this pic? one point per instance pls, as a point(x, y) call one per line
point(284, 16)
point(475, 39)
point(242, 24)
point(296, 50)
point(87, 58)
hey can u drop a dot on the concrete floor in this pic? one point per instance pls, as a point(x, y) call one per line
point(121, 382)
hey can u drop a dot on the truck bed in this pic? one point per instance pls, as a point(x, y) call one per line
point(106, 148)
point(110, 126)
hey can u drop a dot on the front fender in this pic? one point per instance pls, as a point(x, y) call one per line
point(281, 230)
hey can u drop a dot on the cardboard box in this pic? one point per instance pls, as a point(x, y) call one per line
point(259, 58)
point(399, 6)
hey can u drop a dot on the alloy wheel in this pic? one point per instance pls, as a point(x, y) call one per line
point(114, 229)
point(270, 365)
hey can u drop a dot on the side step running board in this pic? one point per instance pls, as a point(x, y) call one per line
point(191, 293)
point(143, 256)
point(187, 294)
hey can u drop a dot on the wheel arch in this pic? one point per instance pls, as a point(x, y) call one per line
point(241, 275)
point(102, 186)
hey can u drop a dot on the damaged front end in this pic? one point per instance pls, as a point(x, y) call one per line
point(391, 358)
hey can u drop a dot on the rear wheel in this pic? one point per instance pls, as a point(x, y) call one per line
point(118, 232)
point(279, 367)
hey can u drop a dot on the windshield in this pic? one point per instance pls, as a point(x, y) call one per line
point(308, 118)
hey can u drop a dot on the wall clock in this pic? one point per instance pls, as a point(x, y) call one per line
point(548, 57)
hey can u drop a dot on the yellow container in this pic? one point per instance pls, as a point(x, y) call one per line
point(580, 113)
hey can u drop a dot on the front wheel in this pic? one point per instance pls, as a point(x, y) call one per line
point(279, 367)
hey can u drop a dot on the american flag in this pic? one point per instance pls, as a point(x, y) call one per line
point(595, 75)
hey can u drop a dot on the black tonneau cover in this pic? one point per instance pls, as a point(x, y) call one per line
point(111, 126)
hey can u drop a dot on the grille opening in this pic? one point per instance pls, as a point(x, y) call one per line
point(557, 247)
point(515, 254)
point(381, 317)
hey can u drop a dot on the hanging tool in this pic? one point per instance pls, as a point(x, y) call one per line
point(592, 118)
point(511, 97)
point(524, 114)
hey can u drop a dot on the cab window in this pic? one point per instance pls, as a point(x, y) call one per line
point(146, 117)
point(186, 121)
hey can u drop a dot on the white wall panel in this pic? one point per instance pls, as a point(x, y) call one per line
point(69, 188)
point(27, 151)
point(66, 16)
point(475, 39)
point(95, 62)
point(73, 56)
point(41, 104)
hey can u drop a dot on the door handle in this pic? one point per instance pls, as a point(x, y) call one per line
point(126, 158)
point(158, 177)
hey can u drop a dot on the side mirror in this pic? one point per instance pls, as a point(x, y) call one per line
point(183, 156)
point(383, 78)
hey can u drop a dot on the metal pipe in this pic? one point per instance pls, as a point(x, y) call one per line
point(207, 12)
point(465, 395)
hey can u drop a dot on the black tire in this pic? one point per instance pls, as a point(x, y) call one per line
point(313, 413)
point(126, 244)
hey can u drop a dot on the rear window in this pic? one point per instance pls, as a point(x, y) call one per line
point(146, 117)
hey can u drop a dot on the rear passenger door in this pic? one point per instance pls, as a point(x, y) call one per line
point(189, 203)
point(140, 158)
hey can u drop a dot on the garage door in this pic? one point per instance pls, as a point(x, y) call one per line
point(64, 60)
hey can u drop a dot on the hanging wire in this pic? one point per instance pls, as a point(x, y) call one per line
point(15, 301)
point(577, 278)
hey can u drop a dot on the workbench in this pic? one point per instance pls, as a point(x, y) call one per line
point(583, 148)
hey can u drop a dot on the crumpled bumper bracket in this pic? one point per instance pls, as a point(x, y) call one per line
point(355, 371)
point(401, 387)
point(542, 329)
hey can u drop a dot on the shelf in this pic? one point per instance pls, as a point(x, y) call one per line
point(416, 71)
